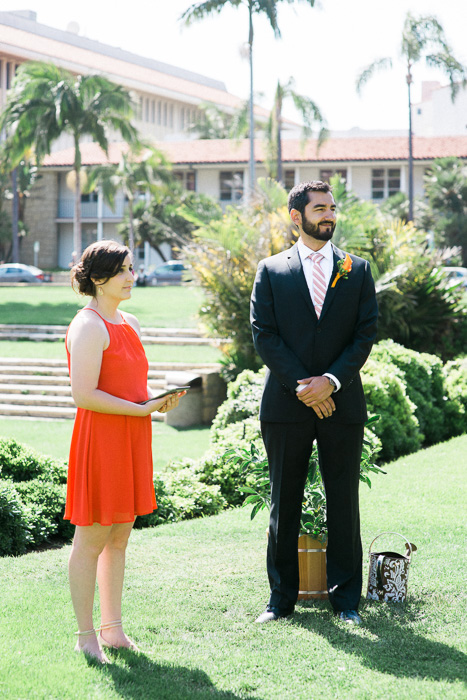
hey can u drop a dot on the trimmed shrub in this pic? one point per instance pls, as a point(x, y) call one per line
point(215, 468)
point(181, 495)
point(14, 533)
point(44, 506)
point(191, 497)
point(21, 463)
point(166, 510)
point(455, 377)
point(424, 381)
point(243, 398)
point(385, 393)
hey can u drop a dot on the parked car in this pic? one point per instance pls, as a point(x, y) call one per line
point(456, 275)
point(170, 272)
point(16, 272)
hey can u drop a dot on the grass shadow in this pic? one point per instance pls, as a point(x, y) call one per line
point(140, 677)
point(386, 642)
point(59, 313)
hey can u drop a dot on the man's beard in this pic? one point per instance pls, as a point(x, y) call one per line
point(314, 231)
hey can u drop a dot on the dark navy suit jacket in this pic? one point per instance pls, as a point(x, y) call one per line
point(294, 344)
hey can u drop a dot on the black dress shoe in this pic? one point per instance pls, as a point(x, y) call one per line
point(350, 616)
point(272, 614)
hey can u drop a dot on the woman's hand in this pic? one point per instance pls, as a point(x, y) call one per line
point(166, 403)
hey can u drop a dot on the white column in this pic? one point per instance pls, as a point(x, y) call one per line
point(403, 179)
point(100, 213)
point(3, 82)
point(349, 178)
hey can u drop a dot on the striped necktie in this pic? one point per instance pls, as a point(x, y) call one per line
point(319, 282)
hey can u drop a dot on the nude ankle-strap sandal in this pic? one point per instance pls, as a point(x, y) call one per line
point(109, 625)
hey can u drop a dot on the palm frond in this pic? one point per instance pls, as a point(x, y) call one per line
point(369, 71)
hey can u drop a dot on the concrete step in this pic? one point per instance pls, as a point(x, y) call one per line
point(20, 411)
point(49, 412)
point(36, 400)
point(35, 380)
point(37, 328)
point(40, 388)
point(150, 336)
point(45, 390)
point(17, 362)
point(61, 371)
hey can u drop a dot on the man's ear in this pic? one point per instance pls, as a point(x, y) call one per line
point(296, 217)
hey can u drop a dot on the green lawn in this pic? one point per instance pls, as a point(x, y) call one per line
point(155, 353)
point(53, 438)
point(194, 588)
point(164, 307)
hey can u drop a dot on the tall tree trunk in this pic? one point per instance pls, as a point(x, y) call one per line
point(131, 233)
point(409, 83)
point(279, 133)
point(77, 239)
point(252, 120)
point(15, 218)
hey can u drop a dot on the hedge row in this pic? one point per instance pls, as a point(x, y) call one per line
point(32, 499)
point(419, 401)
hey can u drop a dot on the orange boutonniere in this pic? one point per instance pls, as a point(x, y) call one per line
point(344, 267)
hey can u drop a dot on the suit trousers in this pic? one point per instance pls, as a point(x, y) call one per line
point(289, 446)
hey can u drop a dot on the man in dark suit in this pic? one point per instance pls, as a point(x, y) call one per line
point(314, 323)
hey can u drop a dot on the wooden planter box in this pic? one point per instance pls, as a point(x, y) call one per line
point(312, 568)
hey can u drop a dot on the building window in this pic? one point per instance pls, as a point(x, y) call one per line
point(153, 111)
point(327, 173)
point(289, 179)
point(187, 178)
point(159, 112)
point(385, 182)
point(231, 185)
point(182, 118)
point(164, 115)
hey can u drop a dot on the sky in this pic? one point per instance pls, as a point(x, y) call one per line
point(323, 48)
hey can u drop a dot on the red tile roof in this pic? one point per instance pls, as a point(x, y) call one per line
point(333, 150)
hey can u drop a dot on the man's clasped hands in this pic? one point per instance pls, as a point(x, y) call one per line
point(315, 392)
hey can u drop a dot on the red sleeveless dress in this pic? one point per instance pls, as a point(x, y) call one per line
point(110, 467)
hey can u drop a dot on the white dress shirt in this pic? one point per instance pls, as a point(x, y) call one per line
point(327, 265)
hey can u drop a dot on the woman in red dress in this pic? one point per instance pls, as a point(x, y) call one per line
point(110, 467)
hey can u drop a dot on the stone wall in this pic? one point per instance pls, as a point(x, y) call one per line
point(41, 212)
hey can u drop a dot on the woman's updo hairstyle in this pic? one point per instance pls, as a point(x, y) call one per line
point(100, 261)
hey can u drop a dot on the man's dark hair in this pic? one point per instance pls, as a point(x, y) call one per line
point(298, 195)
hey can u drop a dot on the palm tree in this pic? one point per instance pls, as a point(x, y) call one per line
point(46, 101)
point(310, 114)
point(421, 36)
point(216, 123)
point(134, 174)
point(200, 10)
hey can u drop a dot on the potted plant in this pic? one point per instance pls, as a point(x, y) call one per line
point(313, 529)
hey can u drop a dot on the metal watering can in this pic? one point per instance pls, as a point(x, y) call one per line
point(389, 572)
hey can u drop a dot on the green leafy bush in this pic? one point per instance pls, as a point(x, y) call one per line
point(44, 506)
point(21, 463)
point(165, 512)
point(386, 395)
point(455, 377)
point(424, 380)
point(181, 495)
point(14, 533)
point(191, 497)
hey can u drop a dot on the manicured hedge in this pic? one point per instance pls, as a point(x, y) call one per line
point(419, 402)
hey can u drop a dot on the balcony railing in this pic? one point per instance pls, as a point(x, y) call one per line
point(66, 208)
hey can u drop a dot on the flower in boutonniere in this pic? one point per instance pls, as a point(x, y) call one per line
point(343, 267)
